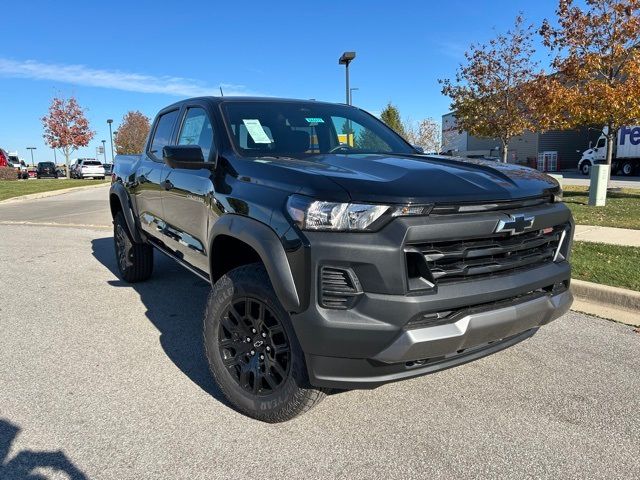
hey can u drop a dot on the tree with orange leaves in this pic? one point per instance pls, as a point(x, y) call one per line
point(491, 95)
point(597, 63)
point(66, 127)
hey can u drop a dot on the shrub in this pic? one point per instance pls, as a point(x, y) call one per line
point(8, 173)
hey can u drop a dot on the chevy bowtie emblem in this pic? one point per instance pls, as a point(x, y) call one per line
point(516, 224)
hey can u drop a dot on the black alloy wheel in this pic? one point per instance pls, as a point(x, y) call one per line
point(254, 347)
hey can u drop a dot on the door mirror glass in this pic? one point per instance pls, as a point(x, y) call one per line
point(184, 156)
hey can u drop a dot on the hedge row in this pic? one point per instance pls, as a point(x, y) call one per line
point(8, 173)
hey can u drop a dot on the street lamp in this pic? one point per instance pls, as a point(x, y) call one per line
point(110, 121)
point(346, 59)
point(104, 152)
point(33, 164)
point(351, 94)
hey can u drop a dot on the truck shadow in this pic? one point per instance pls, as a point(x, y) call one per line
point(175, 301)
point(26, 463)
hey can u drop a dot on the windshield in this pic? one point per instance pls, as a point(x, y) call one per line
point(301, 129)
point(46, 164)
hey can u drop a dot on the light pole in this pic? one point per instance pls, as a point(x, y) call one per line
point(110, 121)
point(346, 59)
point(33, 164)
point(104, 151)
point(351, 94)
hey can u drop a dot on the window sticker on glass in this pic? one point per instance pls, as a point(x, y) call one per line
point(314, 121)
point(254, 127)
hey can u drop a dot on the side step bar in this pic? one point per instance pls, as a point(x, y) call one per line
point(158, 246)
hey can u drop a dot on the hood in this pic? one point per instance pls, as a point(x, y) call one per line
point(422, 178)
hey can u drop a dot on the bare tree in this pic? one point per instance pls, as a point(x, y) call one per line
point(425, 134)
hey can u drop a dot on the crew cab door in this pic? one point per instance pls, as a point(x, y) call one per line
point(149, 174)
point(188, 194)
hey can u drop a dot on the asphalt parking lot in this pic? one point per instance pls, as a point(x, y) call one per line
point(100, 379)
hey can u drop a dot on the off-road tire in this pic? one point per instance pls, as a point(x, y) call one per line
point(134, 260)
point(294, 395)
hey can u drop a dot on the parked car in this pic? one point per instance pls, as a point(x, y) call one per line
point(74, 167)
point(19, 165)
point(4, 158)
point(337, 264)
point(89, 169)
point(108, 168)
point(46, 170)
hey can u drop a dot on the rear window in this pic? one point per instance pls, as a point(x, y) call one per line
point(46, 164)
point(91, 162)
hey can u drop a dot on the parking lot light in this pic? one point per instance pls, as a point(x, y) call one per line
point(345, 59)
point(110, 121)
point(32, 149)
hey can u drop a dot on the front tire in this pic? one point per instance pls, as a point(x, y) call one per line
point(252, 350)
point(135, 260)
point(585, 168)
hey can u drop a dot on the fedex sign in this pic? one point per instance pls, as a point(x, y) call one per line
point(632, 132)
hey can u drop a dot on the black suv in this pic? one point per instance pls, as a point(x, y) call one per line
point(339, 256)
point(46, 169)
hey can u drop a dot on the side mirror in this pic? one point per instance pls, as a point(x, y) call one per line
point(185, 156)
point(418, 149)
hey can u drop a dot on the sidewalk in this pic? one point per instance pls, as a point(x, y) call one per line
point(609, 235)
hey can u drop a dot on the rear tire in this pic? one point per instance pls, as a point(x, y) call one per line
point(135, 260)
point(628, 169)
point(252, 350)
point(585, 168)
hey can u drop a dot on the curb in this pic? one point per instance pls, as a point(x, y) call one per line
point(614, 303)
point(52, 193)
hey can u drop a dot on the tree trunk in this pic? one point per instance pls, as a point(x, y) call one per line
point(66, 159)
point(505, 151)
point(611, 138)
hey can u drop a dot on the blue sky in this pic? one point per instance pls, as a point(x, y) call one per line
point(142, 55)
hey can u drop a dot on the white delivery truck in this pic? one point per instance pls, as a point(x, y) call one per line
point(626, 153)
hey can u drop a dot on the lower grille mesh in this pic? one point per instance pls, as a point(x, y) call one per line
point(338, 288)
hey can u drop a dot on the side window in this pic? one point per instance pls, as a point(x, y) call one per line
point(197, 130)
point(162, 134)
point(600, 143)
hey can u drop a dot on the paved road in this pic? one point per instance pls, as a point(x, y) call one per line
point(617, 181)
point(83, 208)
point(110, 379)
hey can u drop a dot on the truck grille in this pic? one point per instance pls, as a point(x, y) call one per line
point(458, 260)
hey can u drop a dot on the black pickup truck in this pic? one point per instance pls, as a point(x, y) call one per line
point(339, 256)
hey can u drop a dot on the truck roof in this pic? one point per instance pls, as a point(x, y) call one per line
point(217, 100)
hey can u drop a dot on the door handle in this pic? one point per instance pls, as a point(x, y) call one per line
point(167, 185)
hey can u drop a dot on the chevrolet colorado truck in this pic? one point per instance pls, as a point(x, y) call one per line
point(339, 256)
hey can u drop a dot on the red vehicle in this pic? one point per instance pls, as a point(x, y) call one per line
point(3, 158)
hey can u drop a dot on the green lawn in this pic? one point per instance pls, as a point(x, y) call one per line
point(606, 264)
point(16, 188)
point(622, 209)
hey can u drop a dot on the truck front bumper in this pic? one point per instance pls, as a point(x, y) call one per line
point(425, 350)
point(387, 331)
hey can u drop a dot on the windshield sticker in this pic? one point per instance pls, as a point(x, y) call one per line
point(254, 127)
point(314, 121)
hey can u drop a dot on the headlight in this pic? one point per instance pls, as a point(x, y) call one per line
point(311, 214)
